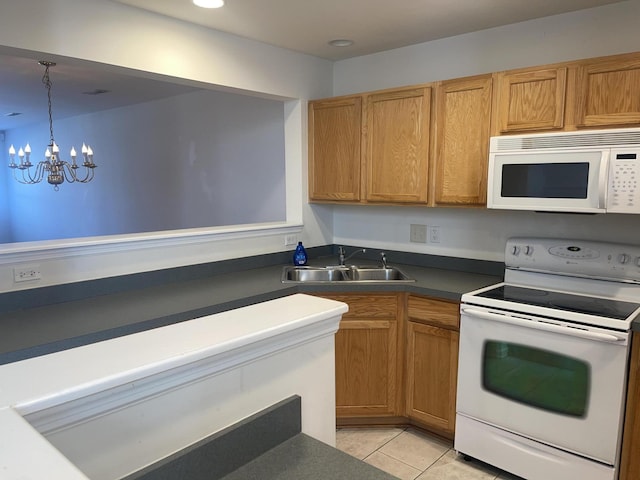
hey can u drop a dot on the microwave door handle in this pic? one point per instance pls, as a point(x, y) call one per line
point(603, 179)
point(548, 327)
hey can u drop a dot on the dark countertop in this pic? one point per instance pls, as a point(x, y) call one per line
point(304, 458)
point(268, 445)
point(40, 330)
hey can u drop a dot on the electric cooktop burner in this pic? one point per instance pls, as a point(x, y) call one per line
point(601, 307)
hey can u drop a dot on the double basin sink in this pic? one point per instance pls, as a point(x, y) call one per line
point(342, 274)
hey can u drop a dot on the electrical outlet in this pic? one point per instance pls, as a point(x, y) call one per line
point(418, 233)
point(27, 273)
point(290, 240)
point(434, 234)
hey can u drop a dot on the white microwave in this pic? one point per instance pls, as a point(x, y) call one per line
point(594, 171)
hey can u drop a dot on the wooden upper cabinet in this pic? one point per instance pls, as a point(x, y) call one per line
point(462, 130)
point(390, 147)
point(531, 100)
point(334, 149)
point(396, 144)
point(608, 92)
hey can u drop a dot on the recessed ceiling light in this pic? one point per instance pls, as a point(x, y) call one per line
point(209, 3)
point(341, 42)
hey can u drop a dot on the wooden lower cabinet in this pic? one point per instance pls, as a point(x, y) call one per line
point(432, 363)
point(397, 361)
point(367, 357)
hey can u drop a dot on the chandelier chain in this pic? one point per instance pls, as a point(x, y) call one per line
point(47, 82)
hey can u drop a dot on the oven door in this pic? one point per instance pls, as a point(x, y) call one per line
point(558, 385)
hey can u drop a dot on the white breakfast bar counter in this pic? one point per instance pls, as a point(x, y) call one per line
point(107, 409)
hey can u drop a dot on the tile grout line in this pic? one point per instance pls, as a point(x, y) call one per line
point(402, 430)
point(421, 472)
point(437, 459)
point(409, 465)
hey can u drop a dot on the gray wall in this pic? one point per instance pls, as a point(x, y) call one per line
point(481, 233)
point(195, 160)
point(5, 204)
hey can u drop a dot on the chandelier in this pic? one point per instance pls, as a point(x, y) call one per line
point(52, 167)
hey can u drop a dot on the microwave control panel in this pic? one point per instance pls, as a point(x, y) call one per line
point(623, 192)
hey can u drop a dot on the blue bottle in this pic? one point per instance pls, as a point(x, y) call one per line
point(300, 255)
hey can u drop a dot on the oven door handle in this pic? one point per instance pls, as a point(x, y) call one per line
point(549, 327)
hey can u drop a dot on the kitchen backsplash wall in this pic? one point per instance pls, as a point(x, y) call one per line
point(473, 233)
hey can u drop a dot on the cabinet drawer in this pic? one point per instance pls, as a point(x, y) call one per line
point(434, 312)
point(368, 305)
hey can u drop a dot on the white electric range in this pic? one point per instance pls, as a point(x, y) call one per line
point(543, 360)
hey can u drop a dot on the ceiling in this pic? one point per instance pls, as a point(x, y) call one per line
point(23, 92)
point(374, 25)
point(301, 25)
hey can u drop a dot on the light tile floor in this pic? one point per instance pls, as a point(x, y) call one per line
point(410, 454)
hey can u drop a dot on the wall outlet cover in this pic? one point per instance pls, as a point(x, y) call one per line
point(434, 234)
point(27, 273)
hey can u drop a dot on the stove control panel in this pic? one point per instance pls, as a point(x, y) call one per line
point(575, 257)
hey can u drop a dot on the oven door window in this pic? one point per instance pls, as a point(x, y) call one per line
point(538, 378)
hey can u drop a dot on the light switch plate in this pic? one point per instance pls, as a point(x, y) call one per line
point(418, 233)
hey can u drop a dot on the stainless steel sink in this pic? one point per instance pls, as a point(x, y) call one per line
point(350, 274)
point(384, 274)
point(312, 274)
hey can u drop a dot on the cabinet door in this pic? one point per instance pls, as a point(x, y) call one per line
point(608, 92)
point(396, 143)
point(367, 356)
point(366, 368)
point(462, 126)
point(432, 366)
point(334, 149)
point(531, 100)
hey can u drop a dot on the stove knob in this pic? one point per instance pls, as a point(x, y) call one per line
point(638, 261)
point(528, 250)
point(515, 250)
point(623, 258)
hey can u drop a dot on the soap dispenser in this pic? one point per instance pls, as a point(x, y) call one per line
point(300, 255)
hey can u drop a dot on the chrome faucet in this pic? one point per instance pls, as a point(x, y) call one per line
point(343, 258)
point(383, 259)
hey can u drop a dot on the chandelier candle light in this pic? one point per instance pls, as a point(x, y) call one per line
point(57, 170)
